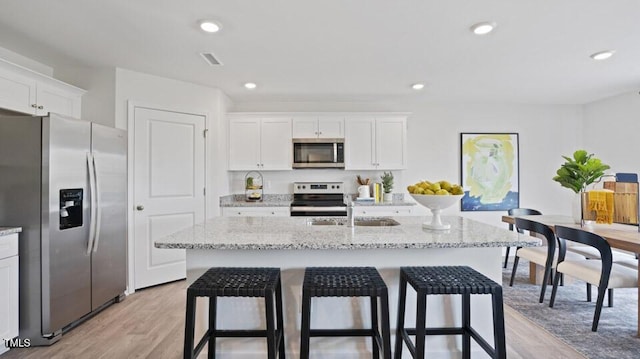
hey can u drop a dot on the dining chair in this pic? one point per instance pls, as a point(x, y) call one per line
point(603, 273)
point(518, 212)
point(543, 255)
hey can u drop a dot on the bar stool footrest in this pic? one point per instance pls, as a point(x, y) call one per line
point(342, 332)
point(249, 333)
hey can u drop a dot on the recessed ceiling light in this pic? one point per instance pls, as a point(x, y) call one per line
point(209, 26)
point(483, 28)
point(602, 55)
point(417, 86)
point(250, 85)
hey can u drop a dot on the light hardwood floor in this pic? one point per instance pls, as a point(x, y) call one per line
point(150, 324)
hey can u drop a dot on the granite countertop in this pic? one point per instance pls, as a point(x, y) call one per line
point(284, 200)
point(5, 231)
point(263, 233)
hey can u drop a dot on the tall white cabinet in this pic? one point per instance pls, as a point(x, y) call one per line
point(375, 143)
point(26, 91)
point(259, 143)
point(9, 307)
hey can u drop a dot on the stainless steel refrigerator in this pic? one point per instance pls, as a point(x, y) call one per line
point(64, 181)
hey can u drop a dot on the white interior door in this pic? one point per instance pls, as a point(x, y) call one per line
point(169, 180)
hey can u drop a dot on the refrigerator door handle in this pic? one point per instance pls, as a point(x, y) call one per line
point(92, 191)
point(98, 203)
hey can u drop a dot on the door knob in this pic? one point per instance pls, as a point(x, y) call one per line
point(140, 207)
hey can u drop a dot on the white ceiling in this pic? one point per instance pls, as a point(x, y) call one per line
point(346, 50)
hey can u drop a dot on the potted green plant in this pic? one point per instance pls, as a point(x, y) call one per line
point(580, 171)
point(577, 173)
point(387, 186)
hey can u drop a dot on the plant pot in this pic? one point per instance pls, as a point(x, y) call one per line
point(387, 197)
point(578, 204)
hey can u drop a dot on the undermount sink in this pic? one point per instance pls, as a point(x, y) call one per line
point(365, 222)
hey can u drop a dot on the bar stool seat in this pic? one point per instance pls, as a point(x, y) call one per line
point(448, 280)
point(347, 282)
point(236, 282)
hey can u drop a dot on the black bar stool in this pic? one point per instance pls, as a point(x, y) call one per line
point(448, 280)
point(236, 282)
point(347, 282)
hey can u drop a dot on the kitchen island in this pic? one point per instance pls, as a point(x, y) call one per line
point(293, 243)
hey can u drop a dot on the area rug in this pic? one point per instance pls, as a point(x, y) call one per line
point(571, 316)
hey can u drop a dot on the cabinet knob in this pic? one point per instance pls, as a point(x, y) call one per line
point(239, 213)
point(273, 212)
point(40, 107)
point(34, 105)
point(140, 207)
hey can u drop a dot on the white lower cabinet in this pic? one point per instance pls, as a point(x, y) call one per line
point(9, 309)
point(384, 211)
point(255, 212)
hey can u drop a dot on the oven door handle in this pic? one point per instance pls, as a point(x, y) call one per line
point(319, 209)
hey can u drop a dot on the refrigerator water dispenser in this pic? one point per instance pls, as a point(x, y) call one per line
point(70, 208)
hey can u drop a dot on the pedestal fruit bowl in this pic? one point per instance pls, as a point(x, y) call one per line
point(436, 196)
point(436, 203)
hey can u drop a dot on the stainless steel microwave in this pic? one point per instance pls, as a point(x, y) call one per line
point(318, 153)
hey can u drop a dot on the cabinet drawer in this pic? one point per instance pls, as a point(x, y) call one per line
point(9, 245)
point(255, 211)
point(388, 211)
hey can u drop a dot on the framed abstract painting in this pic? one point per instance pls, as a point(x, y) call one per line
point(490, 172)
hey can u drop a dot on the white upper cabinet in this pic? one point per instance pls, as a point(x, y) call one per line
point(318, 127)
point(376, 143)
point(259, 143)
point(25, 91)
point(262, 141)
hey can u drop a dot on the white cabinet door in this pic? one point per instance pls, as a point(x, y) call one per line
point(391, 134)
point(244, 144)
point(17, 92)
point(359, 144)
point(9, 307)
point(255, 212)
point(318, 127)
point(305, 127)
point(375, 143)
point(55, 99)
point(331, 127)
point(275, 144)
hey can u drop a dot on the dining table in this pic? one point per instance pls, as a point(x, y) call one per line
point(619, 236)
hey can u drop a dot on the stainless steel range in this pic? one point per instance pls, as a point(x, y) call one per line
point(318, 199)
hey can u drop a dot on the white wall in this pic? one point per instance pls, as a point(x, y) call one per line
point(98, 104)
point(187, 97)
point(545, 132)
point(611, 128)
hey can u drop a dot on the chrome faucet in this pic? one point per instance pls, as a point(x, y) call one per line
point(350, 207)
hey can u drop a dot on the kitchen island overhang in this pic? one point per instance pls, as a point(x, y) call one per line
point(292, 244)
